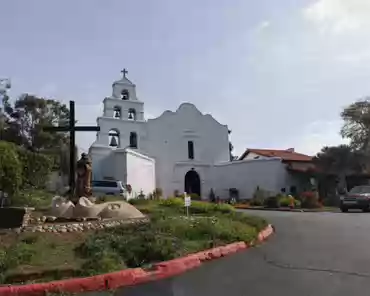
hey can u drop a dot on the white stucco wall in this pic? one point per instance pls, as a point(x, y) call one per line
point(168, 136)
point(102, 162)
point(246, 175)
point(119, 166)
point(140, 172)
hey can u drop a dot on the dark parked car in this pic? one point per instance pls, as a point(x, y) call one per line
point(357, 198)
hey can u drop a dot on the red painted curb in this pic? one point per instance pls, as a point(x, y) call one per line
point(133, 276)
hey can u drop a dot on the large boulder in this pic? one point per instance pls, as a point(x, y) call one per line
point(120, 210)
point(61, 207)
point(85, 208)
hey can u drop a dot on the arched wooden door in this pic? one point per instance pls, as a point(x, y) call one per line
point(192, 182)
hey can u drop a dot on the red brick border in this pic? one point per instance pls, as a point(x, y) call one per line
point(129, 277)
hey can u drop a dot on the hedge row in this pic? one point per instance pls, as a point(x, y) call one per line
point(21, 168)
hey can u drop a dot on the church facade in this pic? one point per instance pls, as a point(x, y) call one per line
point(183, 150)
point(175, 151)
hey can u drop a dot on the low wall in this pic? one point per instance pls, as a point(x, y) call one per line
point(81, 226)
point(246, 175)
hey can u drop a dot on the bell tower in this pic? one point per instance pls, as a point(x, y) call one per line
point(124, 104)
point(122, 124)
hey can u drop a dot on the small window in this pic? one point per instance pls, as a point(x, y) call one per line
point(133, 140)
point(190, 149)
point(293, 190)
point(125, 95)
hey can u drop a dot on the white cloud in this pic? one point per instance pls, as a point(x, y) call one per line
point(262, 26)
point(339, 16)
point(316, 135)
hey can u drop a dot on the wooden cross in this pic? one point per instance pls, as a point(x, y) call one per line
point(124, 71)
point(72, 129)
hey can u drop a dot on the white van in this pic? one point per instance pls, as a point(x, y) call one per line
point(105, 187)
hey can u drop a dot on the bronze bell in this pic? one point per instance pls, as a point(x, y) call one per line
point(113, 142)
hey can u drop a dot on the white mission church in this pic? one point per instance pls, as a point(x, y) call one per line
point(183, 150)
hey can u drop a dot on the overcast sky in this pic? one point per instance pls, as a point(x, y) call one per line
point(277, 73)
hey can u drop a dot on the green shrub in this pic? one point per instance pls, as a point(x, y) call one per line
point(255, 221)
point(10, 169)
point(105, 262)
point(135, 202)
point(197, 207)
point(13, 256)
point(136, 245)
point(172, 202)
point(36, 168)
point(310, 200)
point(211, 229)
point(30, 239)
point(259, 197)
point(273, 202)
point(33, 198)
point(195, 196)
point(257, 202)
point(3, 261)
point(22, 253)
point(157, 193)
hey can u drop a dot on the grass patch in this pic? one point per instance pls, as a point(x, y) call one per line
point(169, 235)
point(33, 198)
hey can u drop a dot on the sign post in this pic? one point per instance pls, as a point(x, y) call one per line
point(187, 201)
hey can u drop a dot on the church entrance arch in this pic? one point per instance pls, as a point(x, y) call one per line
point(192, 182)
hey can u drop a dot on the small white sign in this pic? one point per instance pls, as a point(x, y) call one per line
point(187, 200)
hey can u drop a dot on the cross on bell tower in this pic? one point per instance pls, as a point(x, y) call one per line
point(124, 72)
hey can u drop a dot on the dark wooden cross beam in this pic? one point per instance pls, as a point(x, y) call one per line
point(72, 129)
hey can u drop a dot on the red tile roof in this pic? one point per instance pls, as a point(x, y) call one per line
point(287, 155)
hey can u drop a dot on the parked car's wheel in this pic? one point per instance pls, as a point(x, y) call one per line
point(365, 210)
point(344, 210)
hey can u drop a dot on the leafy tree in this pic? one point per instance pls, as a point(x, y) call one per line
point(340, 161)
point(357, 125)
point(27, 117)
point(10, 169)
point(4, 86)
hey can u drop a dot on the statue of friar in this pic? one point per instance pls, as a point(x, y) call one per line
point(83, 184)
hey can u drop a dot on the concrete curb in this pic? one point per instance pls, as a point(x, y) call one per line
point(133, 276)
point(289, 210)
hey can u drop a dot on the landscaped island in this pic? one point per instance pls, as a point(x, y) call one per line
point(45, 256)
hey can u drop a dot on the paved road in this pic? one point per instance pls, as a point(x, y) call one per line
point(310, 254)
